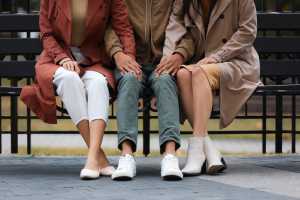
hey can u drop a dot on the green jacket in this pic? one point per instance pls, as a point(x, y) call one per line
point(149, 19)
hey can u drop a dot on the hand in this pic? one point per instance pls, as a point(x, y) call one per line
point(206, 61)
point(70, 65)
point(169, 64)
point(126, 64)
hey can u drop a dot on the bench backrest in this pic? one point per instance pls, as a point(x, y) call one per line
point(278, 44)
point(14, 23)
point(265, 44)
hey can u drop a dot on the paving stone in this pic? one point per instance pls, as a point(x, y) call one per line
point(38, 178)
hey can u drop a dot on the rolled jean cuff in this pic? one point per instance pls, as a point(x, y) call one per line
point(125, 138)
point(164, 140)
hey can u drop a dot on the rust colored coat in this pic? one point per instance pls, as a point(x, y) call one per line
point(55, 27)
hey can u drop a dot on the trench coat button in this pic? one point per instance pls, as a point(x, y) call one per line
point(222, 16)
point(224, 40)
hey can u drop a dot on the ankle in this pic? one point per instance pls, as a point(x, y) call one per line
point(200, 135)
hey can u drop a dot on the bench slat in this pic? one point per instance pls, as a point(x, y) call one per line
point(20, 46)
point(280, 67)
point(19, 22)
point(17, 69)
point(278, 21)
point(277, 44)
point(266, 21)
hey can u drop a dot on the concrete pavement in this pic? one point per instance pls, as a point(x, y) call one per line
point(38, 178)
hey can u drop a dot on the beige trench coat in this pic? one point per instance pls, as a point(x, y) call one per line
point(150, 19)
point(229, 39)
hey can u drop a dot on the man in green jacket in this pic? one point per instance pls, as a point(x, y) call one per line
point(149, 19)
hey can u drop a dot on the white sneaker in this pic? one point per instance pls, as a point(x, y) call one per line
point(170, 168)
point(126, 168)
point(213, 155)
point(195, 157)
point(107, 171)
point(88, 174)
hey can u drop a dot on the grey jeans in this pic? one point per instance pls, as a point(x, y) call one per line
point(130, 89)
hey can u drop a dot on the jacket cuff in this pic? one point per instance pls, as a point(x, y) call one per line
point(182, 52)
point(58, 58)
point(219, 56)
point(115, 50)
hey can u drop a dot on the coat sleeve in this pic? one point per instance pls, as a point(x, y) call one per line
point(122, 27)
point(244, 37)
point(178, 38)
point(112, 42)
point(50, 44)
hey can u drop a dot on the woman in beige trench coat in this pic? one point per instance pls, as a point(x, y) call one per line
point(223, 32)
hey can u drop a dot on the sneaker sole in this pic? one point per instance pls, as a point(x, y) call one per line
point(172, 178)
point(191, 174)
point(123, 178)
point(84, 178)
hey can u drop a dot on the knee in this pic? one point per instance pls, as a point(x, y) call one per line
point(183, 75)
point(164, 79)
point(71, 78)
point(128, 81)
point(97, 83)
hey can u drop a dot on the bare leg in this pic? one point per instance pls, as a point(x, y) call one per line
point(202, 102)
point(95, 159)
point(184, 81)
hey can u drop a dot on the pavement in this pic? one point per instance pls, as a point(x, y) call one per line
point(247, 178)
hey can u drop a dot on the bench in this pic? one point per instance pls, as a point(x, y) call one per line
point(280, 68)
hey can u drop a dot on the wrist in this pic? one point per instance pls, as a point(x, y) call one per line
point(179, 57)
point(117, 55)
point(64, 61)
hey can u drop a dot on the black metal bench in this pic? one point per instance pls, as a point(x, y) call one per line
point(15, 70)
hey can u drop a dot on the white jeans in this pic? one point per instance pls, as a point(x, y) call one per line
point(85, 98)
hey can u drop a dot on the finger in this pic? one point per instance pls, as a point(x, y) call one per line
point(77, 69)
point(161, 65)
point(136, 65)
point(133, 69)
point(136, 70)
point(174, 71)
point(166, 68)
point(124, 69)
point(68, 66)
point(73, 66)
point(161, 68)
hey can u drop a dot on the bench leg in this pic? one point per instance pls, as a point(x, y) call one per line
point(14, 124)
point(279, 129)
point(28, 119)
point(0, 123)
point(294, 118)
point(264, 125)
point(146, 127)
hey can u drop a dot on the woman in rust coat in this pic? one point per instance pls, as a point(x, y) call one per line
point(75, 65)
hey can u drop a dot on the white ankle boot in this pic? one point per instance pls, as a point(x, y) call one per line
point(195, 157)
point(213, 156)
